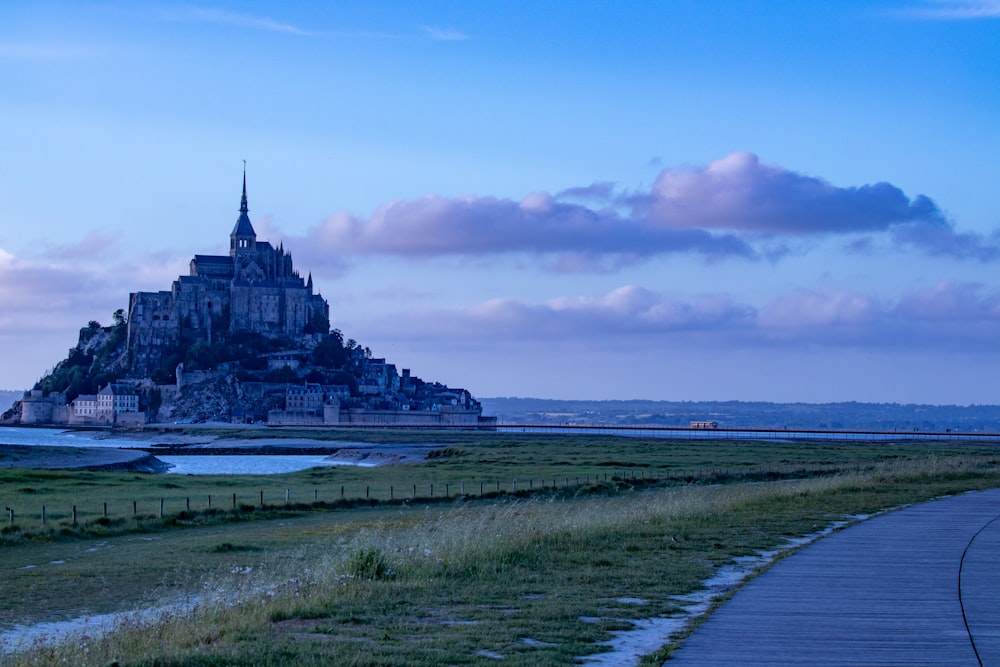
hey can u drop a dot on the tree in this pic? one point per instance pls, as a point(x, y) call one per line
point(319, 323)
point(119, 317)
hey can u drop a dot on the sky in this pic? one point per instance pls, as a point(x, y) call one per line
point(677, 200)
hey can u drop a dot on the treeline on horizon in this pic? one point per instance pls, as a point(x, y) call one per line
point(746, 414)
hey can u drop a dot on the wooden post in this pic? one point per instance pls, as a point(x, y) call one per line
point(210, 501)
point(432, 490)
point(390, 493)
point(262, 498)
point(74, 515)
point(341, 491)
point(234, 501)
point(463, 488)
point(367, 489)
point(414, 491)
point(447, 490)
point(135, 508)
point(161, 508)
point(288, 496)
point(105, 510)
point(11, 515)
point(315, 495)
point(188, 503)
point(43, 515)
point(480, 488)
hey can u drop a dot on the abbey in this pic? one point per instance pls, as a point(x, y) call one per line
point(254, 288)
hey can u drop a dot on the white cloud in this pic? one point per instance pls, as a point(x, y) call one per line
point(953, 9)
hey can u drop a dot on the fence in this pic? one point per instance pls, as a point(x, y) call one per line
point(180, 507)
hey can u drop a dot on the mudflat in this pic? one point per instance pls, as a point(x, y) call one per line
point(84, 458)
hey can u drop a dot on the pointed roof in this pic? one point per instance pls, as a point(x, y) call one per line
point(243, 226)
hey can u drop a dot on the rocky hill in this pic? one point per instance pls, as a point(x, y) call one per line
point(238, 376)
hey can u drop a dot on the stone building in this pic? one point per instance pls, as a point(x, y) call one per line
point(254, 288)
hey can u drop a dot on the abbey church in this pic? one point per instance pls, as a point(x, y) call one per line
point(253, 288)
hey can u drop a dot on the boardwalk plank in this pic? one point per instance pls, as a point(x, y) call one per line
point(883, 592)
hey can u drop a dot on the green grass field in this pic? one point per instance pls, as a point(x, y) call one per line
point(434, 581)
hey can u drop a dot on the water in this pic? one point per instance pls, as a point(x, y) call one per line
point(351, 453)
point(254, 464)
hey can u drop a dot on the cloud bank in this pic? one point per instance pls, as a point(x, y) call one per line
point(949, 313)
point(735, 207)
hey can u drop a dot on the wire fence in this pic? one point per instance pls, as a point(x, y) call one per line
point(58, 513)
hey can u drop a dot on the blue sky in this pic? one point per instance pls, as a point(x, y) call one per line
point(777, 200)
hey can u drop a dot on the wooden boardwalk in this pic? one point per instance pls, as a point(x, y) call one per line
point(919, 586)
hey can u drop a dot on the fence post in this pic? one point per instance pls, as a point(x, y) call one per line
point(315, 495)
point(161, 508)
point(367, 488)
point(463, 488)
point(105, 510)
point(288, 496)
point(262, 498)
point(447, 490)
point(187, 502)
point(391, 496)
point(135, 508)
point(414, 490)
point(210, 501)
point(74, 515)
point(341, 491)
point(432, 490)
point(43, 515)
point(234, 501)
point(11, 515)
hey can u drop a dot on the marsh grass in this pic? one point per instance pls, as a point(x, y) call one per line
point(467, 465)
point(512, 577)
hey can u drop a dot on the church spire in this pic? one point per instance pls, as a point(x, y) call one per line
point(243, 201)
point(243, 239)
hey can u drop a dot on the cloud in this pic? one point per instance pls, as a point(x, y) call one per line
point(951, 300)
point(818, 308)
point(958, 315)
point(739, 192)
point(39, 296)
point(236, 19)
point(733, 207)
point(953, 10)
point(94, 245)
point(443, 34)
point(435, 226)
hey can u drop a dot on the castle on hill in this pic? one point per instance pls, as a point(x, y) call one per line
point(259, 349)
point(254, 288)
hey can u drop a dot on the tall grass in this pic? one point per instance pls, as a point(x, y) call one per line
point(511, 578)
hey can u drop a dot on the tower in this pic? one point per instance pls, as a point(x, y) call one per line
point(243, 240)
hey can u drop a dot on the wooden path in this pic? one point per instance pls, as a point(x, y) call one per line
point(919, 586)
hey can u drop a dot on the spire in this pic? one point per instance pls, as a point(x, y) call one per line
point(243, 239)
point(243, 201)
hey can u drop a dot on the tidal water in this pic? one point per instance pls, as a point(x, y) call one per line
point(196, 464)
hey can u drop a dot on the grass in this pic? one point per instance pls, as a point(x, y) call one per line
point(467, 463)
point(457, 582)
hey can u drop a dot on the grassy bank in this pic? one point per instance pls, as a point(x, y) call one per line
point(537, 581)
point(467, 465)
